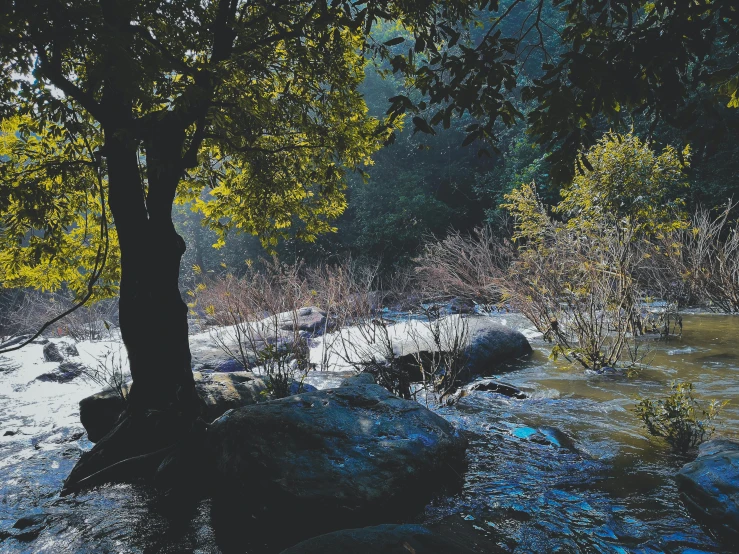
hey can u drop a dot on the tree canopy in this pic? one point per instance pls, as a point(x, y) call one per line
point(261, 105)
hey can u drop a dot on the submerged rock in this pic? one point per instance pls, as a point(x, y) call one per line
point(353, 454)
point(488, 385)
point(611, 371)
point(28, 527)
point(219, 391)
point(710, 486)
point(381, 539)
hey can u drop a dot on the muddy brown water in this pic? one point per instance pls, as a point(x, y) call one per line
point(569, 469)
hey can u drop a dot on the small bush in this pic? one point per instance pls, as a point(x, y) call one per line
point(110, 372)
point(680, 418)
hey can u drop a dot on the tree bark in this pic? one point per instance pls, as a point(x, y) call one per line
point(153, 316)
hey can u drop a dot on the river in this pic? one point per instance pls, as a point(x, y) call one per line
point(569, 469)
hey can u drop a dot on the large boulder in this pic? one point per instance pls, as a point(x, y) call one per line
point(710, 486)
point(491, 344)
point(354, 454)
point(381, 539)
point(219, 391)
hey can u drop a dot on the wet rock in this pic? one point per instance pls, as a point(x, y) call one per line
point(299, 388)
point(219, 392)
point(69, 349)
point(363, 378)
point(353, 454)
point(557, 437)
point(229, 366)
point(546, 435)
point(52, 353)
point(64, 373)
point(310, 319)
point(710, 486)
point(488, 385)
point(381, 539)
point(461, 306)
point(28, 527)
point(612, 371)
point(491, 344)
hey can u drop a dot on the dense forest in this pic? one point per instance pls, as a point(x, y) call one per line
point(424, 185)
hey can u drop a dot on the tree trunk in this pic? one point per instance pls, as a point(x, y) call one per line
point(163, 404)
point(153, 316)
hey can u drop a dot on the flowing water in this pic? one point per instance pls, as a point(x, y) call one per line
point(569, 469)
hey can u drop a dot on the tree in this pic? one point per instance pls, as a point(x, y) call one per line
point(138, 103)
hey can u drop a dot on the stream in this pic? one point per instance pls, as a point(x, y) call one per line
point(569, 469)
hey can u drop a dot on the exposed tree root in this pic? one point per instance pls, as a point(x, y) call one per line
point(134, 449)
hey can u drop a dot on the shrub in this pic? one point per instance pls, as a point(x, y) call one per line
point(465, 266)
point(256, 319)
point(575, 283)
point(443, 344)
point(712, 259)
point(577, 280)
point(682, 420)
point(110, 372)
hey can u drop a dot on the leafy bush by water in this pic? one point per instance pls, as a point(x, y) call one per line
point(680, 418)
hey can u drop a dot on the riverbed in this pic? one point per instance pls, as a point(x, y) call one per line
point(569, 469)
